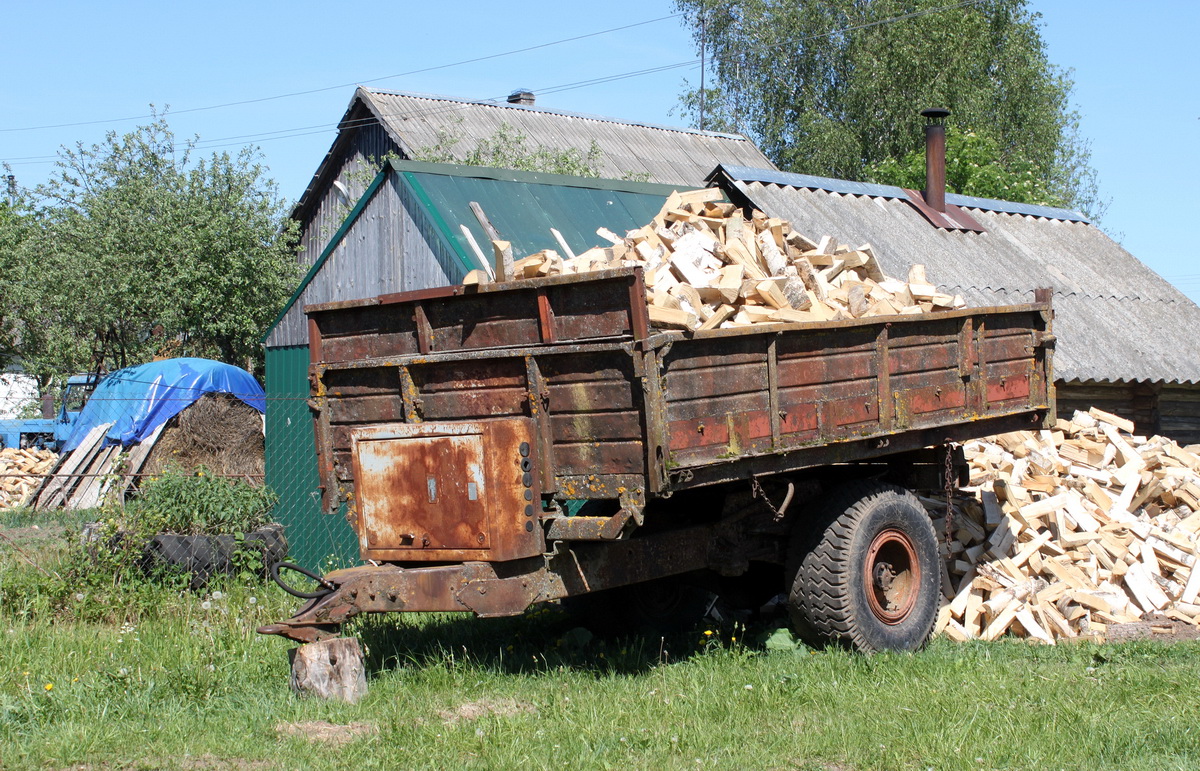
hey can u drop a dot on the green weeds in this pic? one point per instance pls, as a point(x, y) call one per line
point(192, 503)
point(180, 679)
point(94, 566)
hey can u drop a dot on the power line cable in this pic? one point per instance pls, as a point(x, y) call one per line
point(423, 70)
point(321, 128)
point(662, 68)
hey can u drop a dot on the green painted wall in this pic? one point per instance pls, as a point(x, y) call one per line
point(315, 540)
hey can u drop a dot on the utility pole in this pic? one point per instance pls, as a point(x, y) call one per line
point(12, 189)
point(703, 37)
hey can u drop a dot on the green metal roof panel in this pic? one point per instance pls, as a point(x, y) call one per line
point(534, 177)
point(523, 207)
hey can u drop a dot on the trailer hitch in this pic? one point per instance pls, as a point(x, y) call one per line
point(326, 586)
point(474, 587)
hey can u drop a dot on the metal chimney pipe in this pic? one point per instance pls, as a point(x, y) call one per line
point(935, 157)
point(522, 96)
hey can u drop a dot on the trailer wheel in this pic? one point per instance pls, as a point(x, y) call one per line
point(866, 571)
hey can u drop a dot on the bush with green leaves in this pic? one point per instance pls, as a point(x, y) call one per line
point(196, 503)
point(182, 502)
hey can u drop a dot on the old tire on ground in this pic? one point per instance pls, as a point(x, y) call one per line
point(661, 607)
point(203, 556)
point(866, 572)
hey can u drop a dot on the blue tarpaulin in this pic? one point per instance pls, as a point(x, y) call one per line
point(137, 400)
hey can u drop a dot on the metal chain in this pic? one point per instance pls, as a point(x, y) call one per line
point(756, 491)
point(949, 491)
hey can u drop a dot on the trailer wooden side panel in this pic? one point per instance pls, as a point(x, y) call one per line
point(618, 410)
point(757, 393)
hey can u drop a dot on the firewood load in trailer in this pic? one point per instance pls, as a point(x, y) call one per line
point(708, 265)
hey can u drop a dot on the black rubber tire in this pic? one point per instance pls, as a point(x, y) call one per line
point(662, 607)
point(828, 597)
point(203, 556)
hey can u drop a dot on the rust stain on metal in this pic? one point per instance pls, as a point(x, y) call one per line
point(1007, 388)
point(442, 491)
point(426, 492)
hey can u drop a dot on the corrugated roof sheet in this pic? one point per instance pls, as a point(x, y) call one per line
point(830, 185)
point(1115, 318)
point(668, 155)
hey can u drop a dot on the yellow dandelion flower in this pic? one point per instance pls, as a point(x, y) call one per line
point(49, 686)
point(708, 633)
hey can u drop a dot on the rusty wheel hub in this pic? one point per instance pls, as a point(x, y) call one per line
point(893, 575)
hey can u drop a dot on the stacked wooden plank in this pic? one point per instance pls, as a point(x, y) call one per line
point(709, 266)
point(1071, 531)
point(21, 471)
point(93, 472)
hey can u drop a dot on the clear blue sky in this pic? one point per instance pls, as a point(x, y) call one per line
point(1134, 64)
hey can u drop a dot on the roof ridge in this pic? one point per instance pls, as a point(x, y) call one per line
point(564, 113)
point(1066, 293)
point(877, 190)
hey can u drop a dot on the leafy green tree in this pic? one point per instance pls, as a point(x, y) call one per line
point(16, 226)
point(834, 87)
point(141, 253)
point(971, 169)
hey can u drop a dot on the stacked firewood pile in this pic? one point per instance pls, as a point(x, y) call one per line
point(1072, 531)
point(708, 266)
point(21, 471)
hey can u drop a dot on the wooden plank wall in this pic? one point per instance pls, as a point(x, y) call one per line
point(1155, 408)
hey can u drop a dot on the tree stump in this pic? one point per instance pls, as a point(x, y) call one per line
point(330, 669)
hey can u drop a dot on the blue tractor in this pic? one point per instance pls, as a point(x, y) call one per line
point(51, 430)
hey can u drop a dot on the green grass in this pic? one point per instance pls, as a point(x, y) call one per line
point(166, 682)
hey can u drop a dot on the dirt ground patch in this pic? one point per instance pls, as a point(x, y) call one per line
point(1156, 627)
point(327, 733)
point(473, 710)
point(29, 537)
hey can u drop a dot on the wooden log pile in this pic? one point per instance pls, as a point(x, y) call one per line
point(709, 266)
point(21, 471)
point(1071, 531)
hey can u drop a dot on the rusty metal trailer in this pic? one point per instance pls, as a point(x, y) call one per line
point(503, 445)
